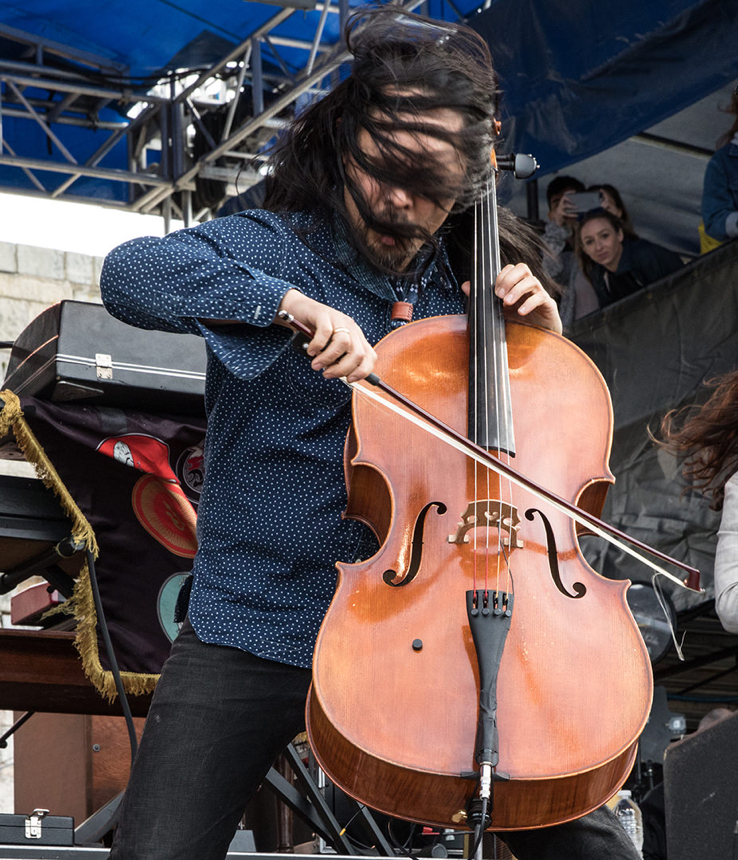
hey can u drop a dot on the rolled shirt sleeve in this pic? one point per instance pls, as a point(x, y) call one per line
point(227, 269)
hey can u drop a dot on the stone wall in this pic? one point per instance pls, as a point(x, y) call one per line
point(31, 279)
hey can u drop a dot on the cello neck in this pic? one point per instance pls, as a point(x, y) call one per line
point(490, 413)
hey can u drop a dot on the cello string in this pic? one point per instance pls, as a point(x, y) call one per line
point(501, 376)
point(490, 340)
point(474, 298)
point(365, 390)
point(508, 399)
point(484, 287)
point(492, 322)
point(482, 388)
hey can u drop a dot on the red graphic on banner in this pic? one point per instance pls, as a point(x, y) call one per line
point(140, 451)
point(166, 514)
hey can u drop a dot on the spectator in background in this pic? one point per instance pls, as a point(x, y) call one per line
point(720, 189)
point(577, 298)
point(615, 264)
point(559, 231)
point(709, 437)
point(611, 200)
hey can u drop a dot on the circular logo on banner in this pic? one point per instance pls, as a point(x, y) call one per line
point(166, 602)
point(163, 510)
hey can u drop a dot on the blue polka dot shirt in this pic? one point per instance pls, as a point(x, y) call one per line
point(269, 521)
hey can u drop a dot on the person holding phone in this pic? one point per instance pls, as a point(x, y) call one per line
point(559, 231)
point(560, 263)
point(567, 203)
point(610, 199)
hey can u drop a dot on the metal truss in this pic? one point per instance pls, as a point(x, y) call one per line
point(191, 140)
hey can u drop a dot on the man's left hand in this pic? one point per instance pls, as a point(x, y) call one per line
point(523, 296)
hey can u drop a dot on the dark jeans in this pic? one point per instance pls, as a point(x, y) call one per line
point(219, 718)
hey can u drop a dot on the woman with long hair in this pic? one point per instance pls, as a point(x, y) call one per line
point(578, 297)
point(708, 438)
point(615, 264)
point(611, 200)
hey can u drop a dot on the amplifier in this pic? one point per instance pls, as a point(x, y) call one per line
point(701, 793)
point(76, 351)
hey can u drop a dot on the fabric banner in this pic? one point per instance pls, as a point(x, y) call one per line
point(656, 349)
point(131, 483)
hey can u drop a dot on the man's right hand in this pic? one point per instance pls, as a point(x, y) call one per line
point(338, 347)
point(564, 211)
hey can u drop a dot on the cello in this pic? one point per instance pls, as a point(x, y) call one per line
point(477, 645)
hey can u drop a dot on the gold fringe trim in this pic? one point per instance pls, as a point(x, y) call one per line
point(83, 608)
point(81, 604)
point(11, 418)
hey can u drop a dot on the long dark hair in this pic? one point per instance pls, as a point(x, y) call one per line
point(707, 436)
point(586, 263)
point(404, 66)
point(628, 228)
point(519, 243)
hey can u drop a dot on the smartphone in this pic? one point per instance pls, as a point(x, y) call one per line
point(585, 201)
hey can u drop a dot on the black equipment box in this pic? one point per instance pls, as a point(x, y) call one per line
point(77, 352)
point(701, 793)
point(38, 828)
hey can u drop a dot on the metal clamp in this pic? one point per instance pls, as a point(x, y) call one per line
point(104, 365)
point(34, 823)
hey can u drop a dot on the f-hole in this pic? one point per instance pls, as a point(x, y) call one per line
point(390, 576)
point(580, 589)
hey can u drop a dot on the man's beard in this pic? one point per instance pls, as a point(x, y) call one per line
point(395, 256)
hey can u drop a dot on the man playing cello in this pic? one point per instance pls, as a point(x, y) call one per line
point(360, 189)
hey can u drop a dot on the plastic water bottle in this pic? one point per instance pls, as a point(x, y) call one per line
point(629, 815)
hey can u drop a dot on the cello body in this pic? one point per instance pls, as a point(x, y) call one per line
point(392, 713)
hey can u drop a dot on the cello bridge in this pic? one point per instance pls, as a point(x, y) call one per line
point(489, 513)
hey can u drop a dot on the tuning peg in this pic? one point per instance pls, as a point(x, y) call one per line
point(522, 166)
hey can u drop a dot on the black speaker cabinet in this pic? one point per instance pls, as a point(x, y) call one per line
point(701, 794)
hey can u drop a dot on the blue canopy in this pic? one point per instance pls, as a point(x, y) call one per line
point(579, 77)
point(581, 81)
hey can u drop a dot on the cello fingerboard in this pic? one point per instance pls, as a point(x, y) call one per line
point(490, 421)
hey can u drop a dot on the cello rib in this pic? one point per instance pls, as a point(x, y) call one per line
point(440, 799)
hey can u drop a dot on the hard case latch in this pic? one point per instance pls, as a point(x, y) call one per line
point(34, 823)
